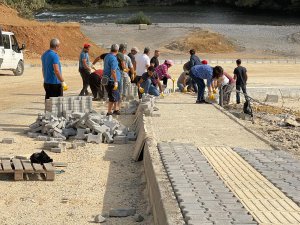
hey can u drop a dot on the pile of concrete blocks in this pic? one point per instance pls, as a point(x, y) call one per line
point(132, 92)
point(80, 127)
point(147, 106)
point(64, 106)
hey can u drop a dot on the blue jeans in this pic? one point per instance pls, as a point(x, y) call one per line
point(149, 88)
point(180, 86)
point(201, 86)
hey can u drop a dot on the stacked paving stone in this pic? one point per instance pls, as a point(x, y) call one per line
point(146, 106)
point(64, 106)
point(202, 196)
point(279, 167)
point(90, 127)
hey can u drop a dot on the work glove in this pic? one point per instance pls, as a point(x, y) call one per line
point(64, 86)
point(116, 85)
point(162, 94)
point(141, 90)
point(211, 97)
point(214, 91)
point(126, 70)
point(185, 89)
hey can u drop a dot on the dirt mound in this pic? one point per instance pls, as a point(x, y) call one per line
point(36, 35)
point(203, 41)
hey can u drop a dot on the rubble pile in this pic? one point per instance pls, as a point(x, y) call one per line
point(79, 127)
point(146, 106)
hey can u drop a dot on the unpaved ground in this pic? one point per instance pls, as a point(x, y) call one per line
point(98, 177)
point(254, 41)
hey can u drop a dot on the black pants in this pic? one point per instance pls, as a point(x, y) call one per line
point(96, 87)
point(53, 90)
point(238, 89)
point(85, 75)
point(165, 81)
point(113, 95)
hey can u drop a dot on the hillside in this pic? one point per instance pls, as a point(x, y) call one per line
point(36, 35)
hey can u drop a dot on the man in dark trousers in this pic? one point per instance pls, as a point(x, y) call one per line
point(54, 84)
point(194, 61)
point(85, 69)
point(241, 77)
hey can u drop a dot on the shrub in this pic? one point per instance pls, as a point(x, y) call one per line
point(139, 18)
point(114, 3)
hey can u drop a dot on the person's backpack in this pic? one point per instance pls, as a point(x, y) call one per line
point(40, 158)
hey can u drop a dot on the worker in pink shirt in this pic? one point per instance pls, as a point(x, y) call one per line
point(162, 71)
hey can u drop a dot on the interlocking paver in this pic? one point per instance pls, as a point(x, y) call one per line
point(279, 167)
point(265, 202)
point(201, 194)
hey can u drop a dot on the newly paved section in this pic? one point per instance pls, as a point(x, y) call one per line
point(279, 167)
point(203, 125)
point(202, 196)
point(265, 202)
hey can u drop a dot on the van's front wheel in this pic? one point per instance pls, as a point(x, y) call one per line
point(20, 69)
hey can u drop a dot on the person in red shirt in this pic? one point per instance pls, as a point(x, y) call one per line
point(95, 81)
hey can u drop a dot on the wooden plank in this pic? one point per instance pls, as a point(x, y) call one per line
point(27, 167)
point(48, 167)
point(7, 166)
point(38, 167)
point(17, 164)
point(50, 171)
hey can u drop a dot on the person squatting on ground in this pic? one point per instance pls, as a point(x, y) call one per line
point(95, 80)
point(112, 72)
point(162, 71)
point(85, 69)
point(154, 60)
point(142, 64)
point(182, 81)
point(241, 77)
point(147, 83)
point(54, 84)
point(199, 73)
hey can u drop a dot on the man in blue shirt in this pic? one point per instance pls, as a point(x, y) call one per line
point(113, 73)
point(54, 84)
point(85, 69)
point(199, 73)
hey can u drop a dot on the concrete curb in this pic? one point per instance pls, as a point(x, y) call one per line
point(244, 125)
point(163, 201)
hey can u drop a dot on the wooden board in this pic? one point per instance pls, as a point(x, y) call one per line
point(17, 164)
point(48, 167)
point(7, 166)
point(27, 167)
point(38, 167)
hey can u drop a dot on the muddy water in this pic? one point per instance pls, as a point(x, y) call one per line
point(175, 14)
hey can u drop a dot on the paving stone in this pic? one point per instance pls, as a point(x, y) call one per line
point(99, 219)
point(122, 212)
point(8, 140)
point(94, 138)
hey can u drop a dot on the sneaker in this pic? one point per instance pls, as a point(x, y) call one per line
point(109, 114)
point(202, 102)
point(116, 112)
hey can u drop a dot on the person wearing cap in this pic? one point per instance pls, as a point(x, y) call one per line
point(204, 62)
point(142, 63)
point(85, 69)
point(162, 71)
point(113, 74)
point(95, 80)
point(54, 83)
point(145, 84)
point(199, 73)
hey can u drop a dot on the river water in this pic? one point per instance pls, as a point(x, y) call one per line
point(174, 14)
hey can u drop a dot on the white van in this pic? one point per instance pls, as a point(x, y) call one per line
point(11, 55)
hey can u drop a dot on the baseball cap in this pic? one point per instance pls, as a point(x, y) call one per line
point(86, 45)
